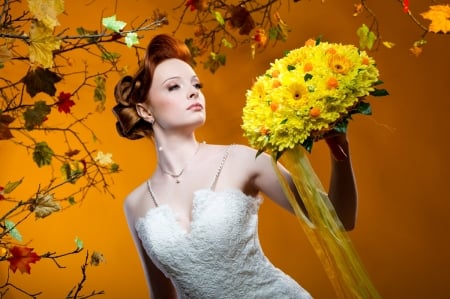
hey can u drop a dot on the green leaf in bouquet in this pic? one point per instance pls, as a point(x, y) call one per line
point(37, 115)
point(364, 108)
point(341, 127)
point(42, 154)
point(307, 77)
point(308, 144)
point(379, 92)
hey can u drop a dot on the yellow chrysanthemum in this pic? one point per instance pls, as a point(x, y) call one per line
point(307, 93)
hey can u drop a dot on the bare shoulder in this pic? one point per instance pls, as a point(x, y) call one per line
point(248, 155)
point(135, 201)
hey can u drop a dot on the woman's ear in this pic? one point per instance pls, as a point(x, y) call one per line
point(144, 112)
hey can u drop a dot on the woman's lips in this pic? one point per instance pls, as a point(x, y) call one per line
point(195, 106)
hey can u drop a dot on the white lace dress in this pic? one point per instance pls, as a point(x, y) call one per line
point(220, 257)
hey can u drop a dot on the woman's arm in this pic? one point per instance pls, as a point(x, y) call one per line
point(160, 287)
point(342, 189)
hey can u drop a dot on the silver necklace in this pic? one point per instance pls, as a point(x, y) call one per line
point(176, 176)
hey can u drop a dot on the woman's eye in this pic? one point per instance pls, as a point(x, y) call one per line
point(173, 87)
point(198, 85)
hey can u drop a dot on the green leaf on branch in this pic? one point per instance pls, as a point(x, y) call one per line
point(91, 36)
point(214, 62)
point(112, 24)
point(79, 243)
point(131, 39)
point(41, 80)
point(100, 93)
point(367, 38)
point(13, 231)
point(37, 115)
point(10, 186)
point(42, 154)
point(219, 18)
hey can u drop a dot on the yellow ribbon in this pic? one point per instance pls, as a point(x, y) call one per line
point(324, 229)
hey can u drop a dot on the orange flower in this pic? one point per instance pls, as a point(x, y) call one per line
point(332, 83)
point(274, 106)
point(310, 43)
point(314, 112)
point(264, 131)
point(331, 51)
point(308, 67)
point(365, 61)
point(276, 83)
point(275, 73)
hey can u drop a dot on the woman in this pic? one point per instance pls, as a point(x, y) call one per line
point(194, 221)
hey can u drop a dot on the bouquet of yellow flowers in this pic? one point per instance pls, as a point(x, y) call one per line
point(310, 94)
point(307, 94)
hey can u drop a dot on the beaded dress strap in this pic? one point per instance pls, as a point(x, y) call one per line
point(219, 170)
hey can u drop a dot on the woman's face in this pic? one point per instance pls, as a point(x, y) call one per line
point(176, 101)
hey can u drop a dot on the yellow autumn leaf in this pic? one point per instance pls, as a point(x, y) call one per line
point(42, 44)
point(440, 18)
point(416, 51)
point(388, 45)
point(46, 11)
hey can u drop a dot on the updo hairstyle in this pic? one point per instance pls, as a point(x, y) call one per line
point(130, 91)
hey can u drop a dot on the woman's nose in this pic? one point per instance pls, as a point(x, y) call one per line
point(193, 94)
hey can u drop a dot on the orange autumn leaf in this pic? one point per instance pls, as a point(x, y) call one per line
point(21, 258)
point(440, 18)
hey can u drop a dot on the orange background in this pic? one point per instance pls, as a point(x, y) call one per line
point(400, 156)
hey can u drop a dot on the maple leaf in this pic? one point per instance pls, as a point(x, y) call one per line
point(41, 80)
point(46, 11)
point(131, 39)
point(44, 205)
point(103, 159)
point(440, 18)
point(5, 120)
point(64, 102)
point(42, 44)
point(21, 258)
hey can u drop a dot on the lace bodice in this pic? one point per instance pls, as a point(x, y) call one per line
point(220, 257)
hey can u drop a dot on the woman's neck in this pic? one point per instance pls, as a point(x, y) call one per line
point(176, 153)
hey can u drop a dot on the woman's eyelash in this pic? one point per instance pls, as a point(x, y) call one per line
point(198, 85)
point(172, 87)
